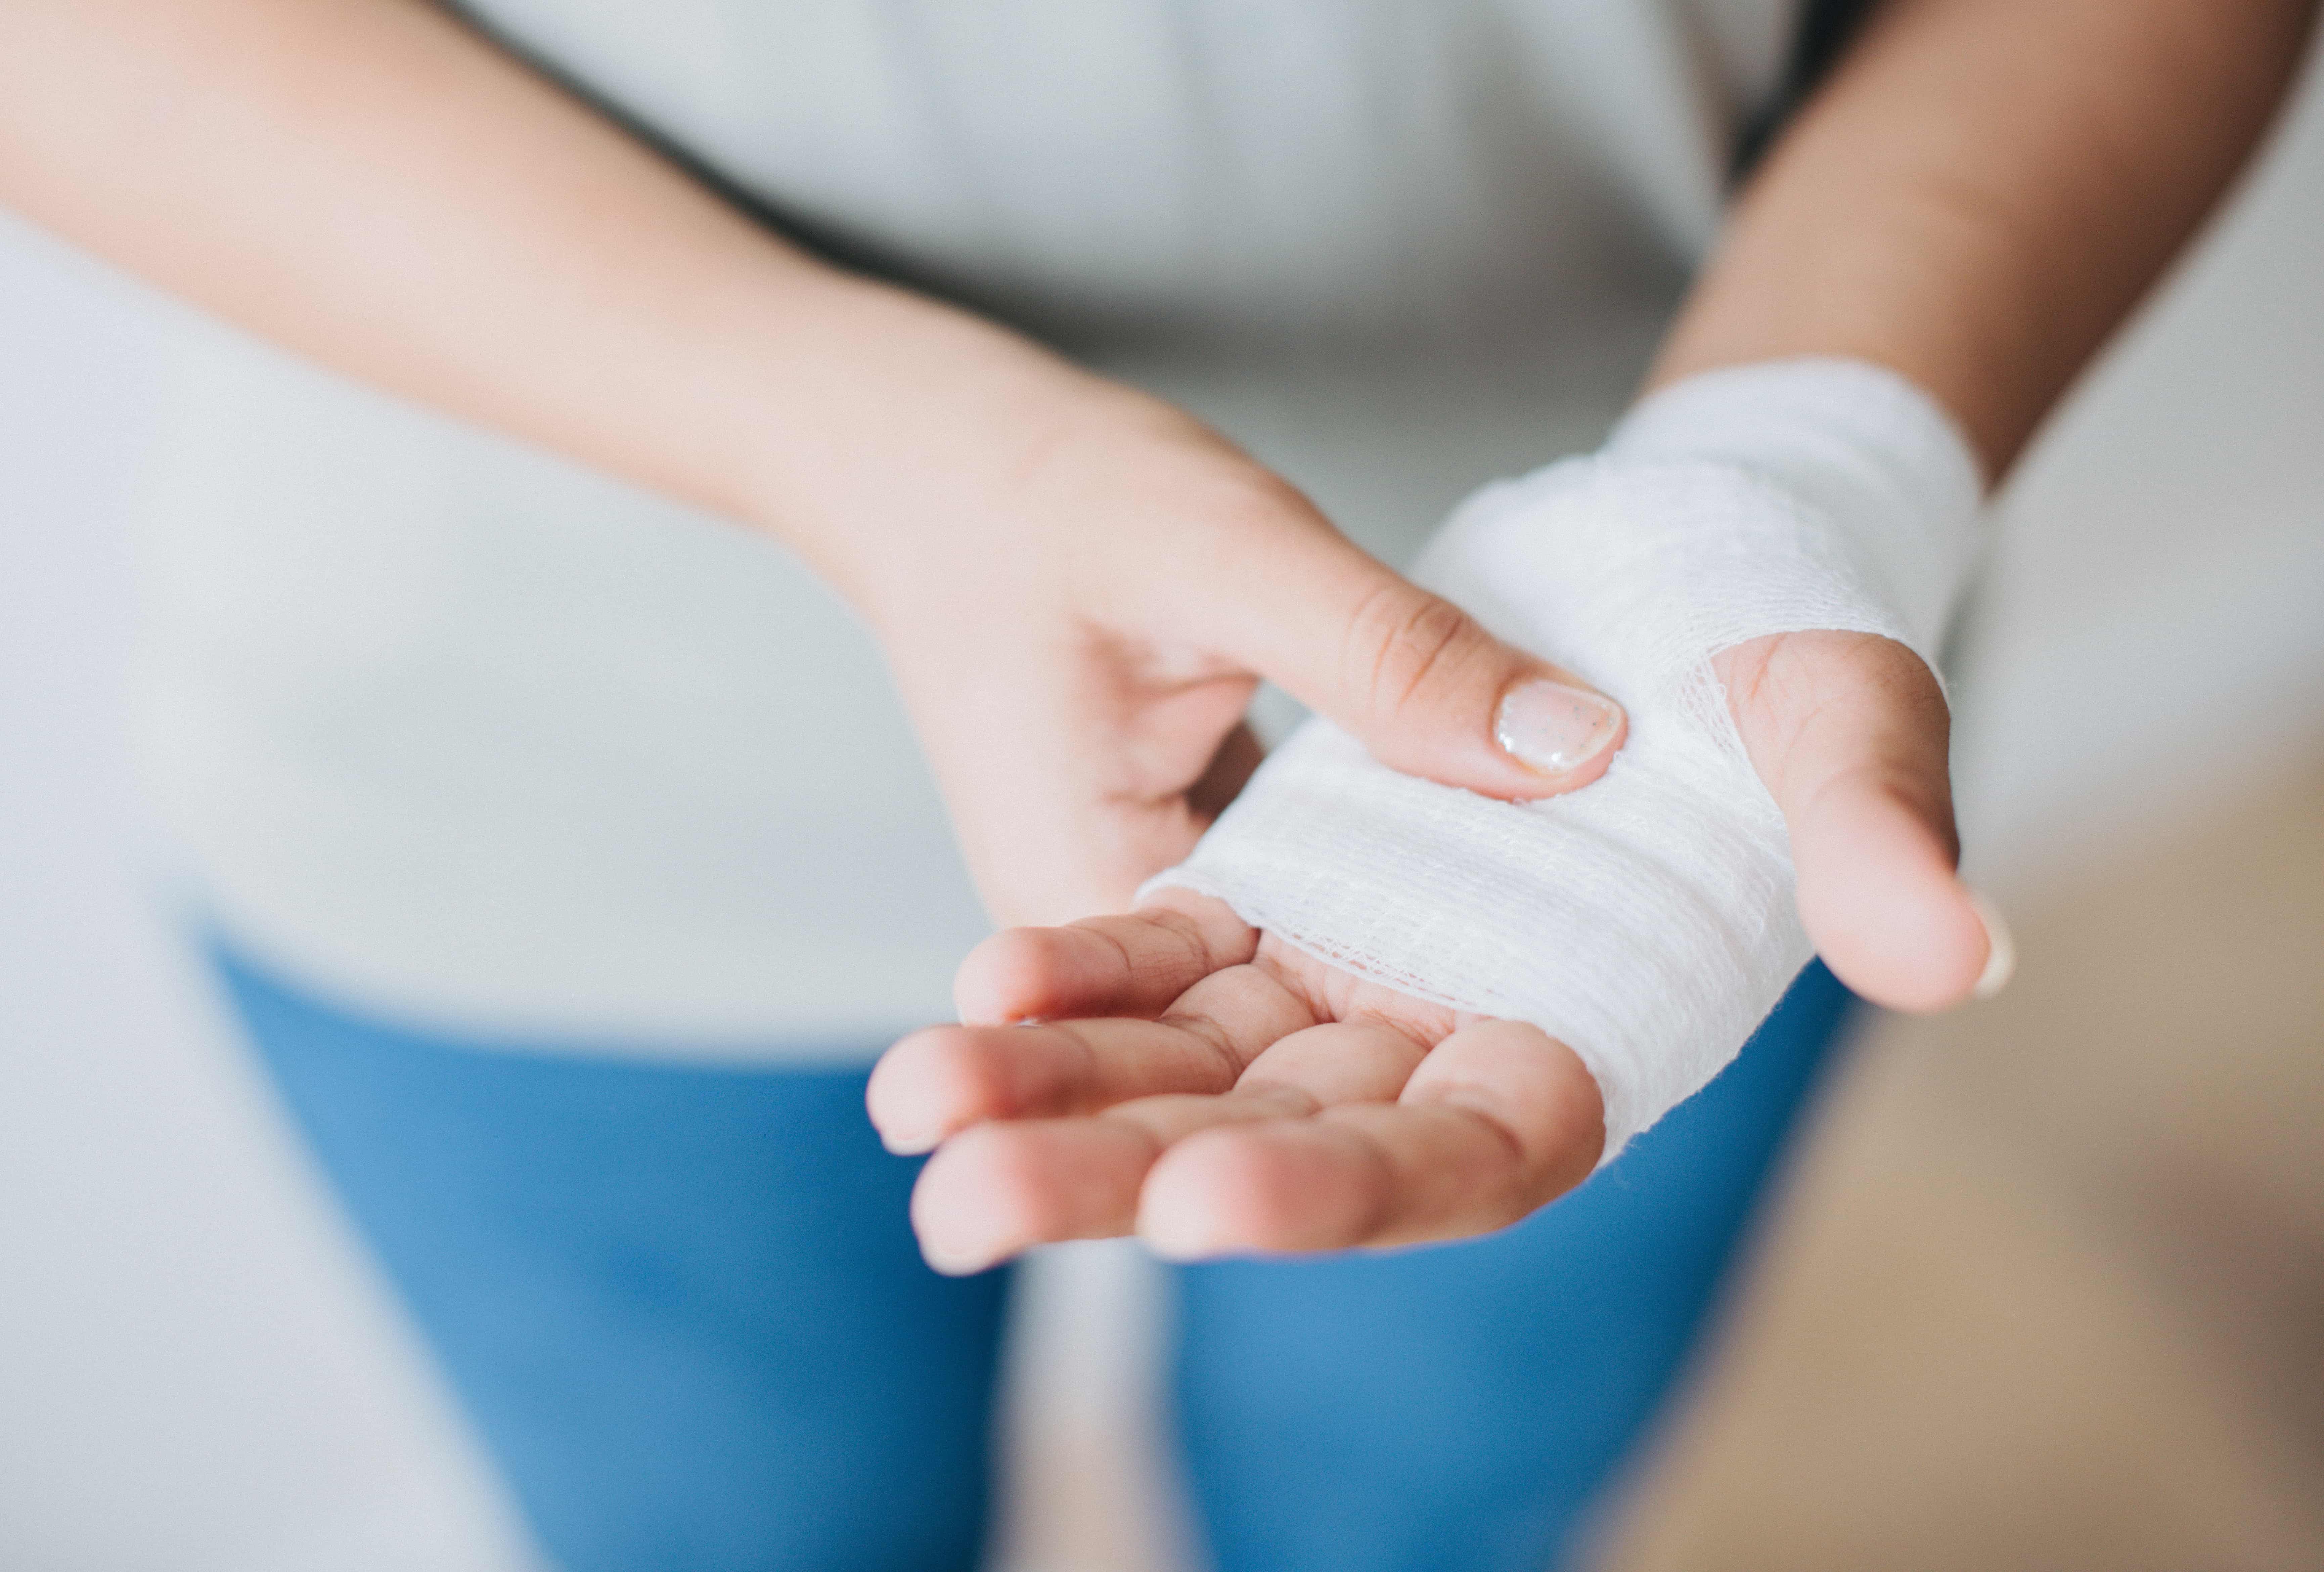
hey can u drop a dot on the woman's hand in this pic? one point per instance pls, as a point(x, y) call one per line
point(1214, 1090)
point(1078, 587)
point(1983, 256)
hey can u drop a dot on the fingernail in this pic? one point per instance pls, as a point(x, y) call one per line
point(1553, 728)
point(2001, 950)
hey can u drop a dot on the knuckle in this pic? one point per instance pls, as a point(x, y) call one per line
point(1212, 1042)
point(1191, 955)
point(1403, 643)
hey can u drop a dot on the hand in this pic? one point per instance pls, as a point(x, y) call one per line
point(1216, 1091)
point(1078, 587)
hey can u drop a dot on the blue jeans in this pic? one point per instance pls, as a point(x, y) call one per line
point(683, 1309)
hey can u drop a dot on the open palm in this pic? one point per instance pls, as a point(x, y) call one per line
point(1213, 1090)
point(1175, 1073)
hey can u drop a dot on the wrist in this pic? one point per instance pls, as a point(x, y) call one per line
point(925, 461)
point(874, 420)
point(1880, 460)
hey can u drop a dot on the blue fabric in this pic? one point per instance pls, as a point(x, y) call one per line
point(683, 1310)
point(1461, 1406)
point(682, 1306)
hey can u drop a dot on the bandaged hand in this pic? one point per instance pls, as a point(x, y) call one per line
point(1370, 1010)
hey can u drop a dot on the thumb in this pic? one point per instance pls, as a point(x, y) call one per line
point(1414, 677)
point(1849, 732)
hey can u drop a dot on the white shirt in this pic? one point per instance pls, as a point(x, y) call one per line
point(465, 733)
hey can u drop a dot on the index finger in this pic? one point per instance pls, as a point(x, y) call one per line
point(1135, 965)
point(942, 1079)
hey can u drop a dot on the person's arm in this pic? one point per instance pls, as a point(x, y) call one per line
point(376, 186)
point(1975, 199)
point(1983, 190)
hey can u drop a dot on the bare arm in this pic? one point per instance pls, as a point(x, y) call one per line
point(1985, 188)
point(1976, 199)
point(374, 186)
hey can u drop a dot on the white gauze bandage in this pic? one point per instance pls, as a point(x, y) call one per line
point(1646, 920)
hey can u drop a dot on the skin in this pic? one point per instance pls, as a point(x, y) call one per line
point(376, 187)
point(1978, 196)
point(373, 185)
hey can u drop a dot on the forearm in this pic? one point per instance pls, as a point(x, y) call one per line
point(1985, 189)
point(371, 185)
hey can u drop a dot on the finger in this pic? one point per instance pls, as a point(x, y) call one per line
point(996, 1191)
point(1341, 1061)
point(1001, 1187)
point(1849, 732)
point(1134, 965)
point(1425, 688)
point(1497, 1122)
point(941, 1080)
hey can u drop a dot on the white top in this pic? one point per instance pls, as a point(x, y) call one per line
point(466, 733)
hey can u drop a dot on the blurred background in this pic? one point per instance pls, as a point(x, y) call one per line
point(2045, 1288)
